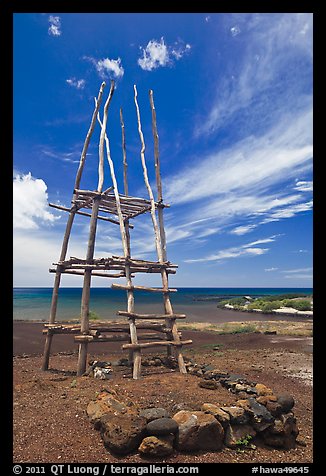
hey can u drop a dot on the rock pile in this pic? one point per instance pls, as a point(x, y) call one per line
point(258, 413)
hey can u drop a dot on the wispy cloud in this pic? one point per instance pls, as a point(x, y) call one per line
point(298, 273)
point(55, 26)
point(248, 249)
point(303, 186)
point(73, 156)
point(269, 270)
point(76, 83)
point(297, 270)
point(250, 183)
point(265, 78)
point(284, 151)
point(242, 230)
point(158, 54)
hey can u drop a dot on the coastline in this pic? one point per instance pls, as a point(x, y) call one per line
point(195, 312)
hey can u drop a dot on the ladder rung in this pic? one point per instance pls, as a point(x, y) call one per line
point(151, 316)
point(154, 344)
point(142, 288)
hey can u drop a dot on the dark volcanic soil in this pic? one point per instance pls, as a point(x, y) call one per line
point(50, 421)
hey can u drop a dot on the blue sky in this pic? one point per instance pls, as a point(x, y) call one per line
point(233, 95)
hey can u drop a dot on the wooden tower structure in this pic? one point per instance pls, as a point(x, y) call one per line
point(113, 207)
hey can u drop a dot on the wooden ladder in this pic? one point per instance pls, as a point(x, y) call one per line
point(124, 207)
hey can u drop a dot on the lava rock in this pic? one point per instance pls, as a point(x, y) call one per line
point(217, 412)
point(154, 413)
point(283, 433)
point(237, 414)
point(261, 418)
point(157, 446)
point(263, 390)
point(122, 434)
point(162, 426)
point(286, 401)
point(198, 431)
point(210, 384)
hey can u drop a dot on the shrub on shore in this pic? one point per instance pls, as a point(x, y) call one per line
point(270, 303)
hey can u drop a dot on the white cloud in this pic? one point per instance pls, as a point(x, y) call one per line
point(251, 164)
point(235, 30)
point(158, 54)
point(268, 270)
point(154, 55)
point(76, 83)
point(55, 26)
point(303, 186)
point(288, 212)
point(297, 270)
point(248, 249)
point(108, 66)
point(30, 203)
point(266, 76)
point(242, 230)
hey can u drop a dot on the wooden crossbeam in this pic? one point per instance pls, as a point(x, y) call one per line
point(150, 316)
point(94, 273)
point(113, 338)
point(143, 288)
point(78, 212)
point(147, 345)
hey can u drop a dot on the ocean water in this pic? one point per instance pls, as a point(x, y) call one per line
point(34, 303)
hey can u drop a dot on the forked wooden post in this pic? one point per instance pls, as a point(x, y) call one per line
point(170, 323)
point(126, 251)
point(161, 252)
point(130, 293)
point(56, 285)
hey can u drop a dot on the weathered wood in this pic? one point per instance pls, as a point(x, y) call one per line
point(143, 288)
point(146, 180)
point(71, 328)
point(102, 138)
point(158, 174)
point(146, 345)
point(82, 357)
point(88, 136)
point(78, 212)
point(85, 202)
point(55, 291)
point(126, 249)
point(151, 316)
point(94, 273)
point(113, 338)
point(124, 154)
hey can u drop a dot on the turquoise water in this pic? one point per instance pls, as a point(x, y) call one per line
point(34, 303)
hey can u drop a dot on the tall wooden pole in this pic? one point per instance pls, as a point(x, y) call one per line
point(126, 248)
point(170, 323)
point(130, 292)
point(82, 356)
point(57, 280)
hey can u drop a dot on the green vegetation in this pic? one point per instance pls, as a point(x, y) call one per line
point(266, 304)
point(93, 316)
point(245, 443)
point(298, 304)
